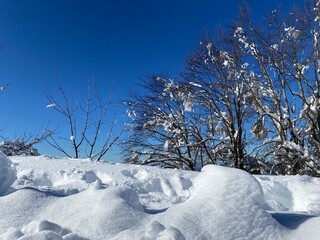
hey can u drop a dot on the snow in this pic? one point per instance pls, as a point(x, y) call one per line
point(195, 84)
point(275, 47)
point(51, 105)
point(166, 145)
point(7, 174)
point(294, 193)
point(61, 198)
point(188, 105)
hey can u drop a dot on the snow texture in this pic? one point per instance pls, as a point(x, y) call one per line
point(50, 198)
point(7, 174)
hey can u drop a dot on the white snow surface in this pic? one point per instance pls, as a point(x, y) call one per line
point(62, 198)
point(7, 174)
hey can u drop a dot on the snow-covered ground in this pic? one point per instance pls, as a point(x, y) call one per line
point(48, 198)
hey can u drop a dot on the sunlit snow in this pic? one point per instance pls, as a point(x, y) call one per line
point(51, 105)
point(52, 198)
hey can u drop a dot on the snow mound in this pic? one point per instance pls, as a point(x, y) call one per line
point(292, 193)
point(156, 230)
point(7, 174)
point(81, 199)
point(157, 189)
point(225, 203)
point(39, 230)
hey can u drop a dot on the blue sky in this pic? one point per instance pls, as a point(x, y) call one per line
point(117, 41)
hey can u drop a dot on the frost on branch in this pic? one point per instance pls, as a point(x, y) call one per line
point(311, 108)
point(292, 32)
point(166, 146)
point(258, 129)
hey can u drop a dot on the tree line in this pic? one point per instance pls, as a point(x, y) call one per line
point(248, 97)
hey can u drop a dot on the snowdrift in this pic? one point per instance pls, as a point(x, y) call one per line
point(7, 174)
point(49, 198)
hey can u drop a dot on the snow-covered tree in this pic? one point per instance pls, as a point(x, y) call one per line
point(283, 80)
point(167, 128)
point(17, 148)
point(255, 99)
point(214, 72)
point(24, 144)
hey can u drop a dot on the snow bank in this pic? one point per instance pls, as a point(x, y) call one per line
point(224, 204)
point(80, 199)
point(292, 193)
point(7, 174)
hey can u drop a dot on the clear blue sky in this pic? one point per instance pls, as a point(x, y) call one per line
point(117, 41)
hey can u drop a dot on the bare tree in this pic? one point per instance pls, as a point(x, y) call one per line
point(88, 138)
